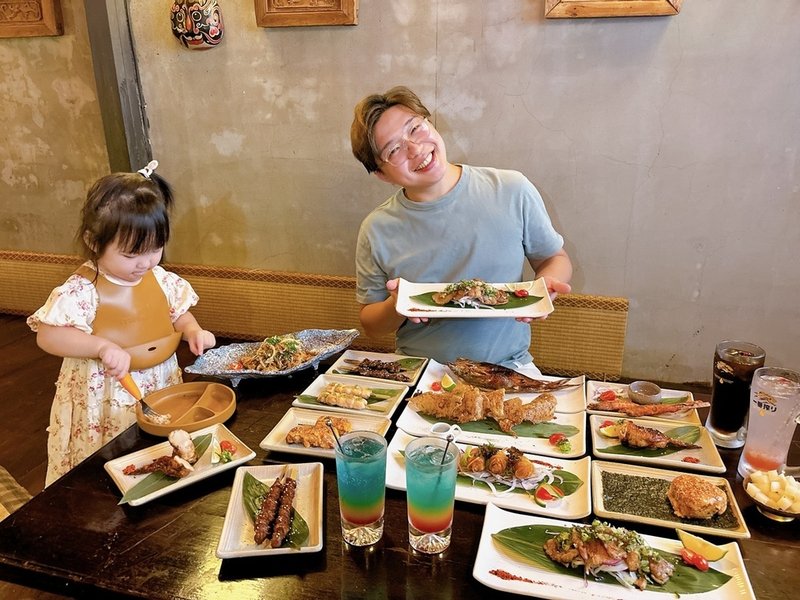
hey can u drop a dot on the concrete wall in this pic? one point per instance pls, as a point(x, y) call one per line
point(666, 149)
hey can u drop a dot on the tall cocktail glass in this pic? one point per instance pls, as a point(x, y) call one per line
point(361, 479)
point(774, 413)
point(734, 365)
point(431, 466)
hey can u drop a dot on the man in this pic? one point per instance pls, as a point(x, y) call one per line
point(447, 223)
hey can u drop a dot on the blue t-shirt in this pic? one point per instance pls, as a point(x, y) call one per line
point(485, 227)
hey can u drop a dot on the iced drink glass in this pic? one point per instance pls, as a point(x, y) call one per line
point(774, 413)
point(361, 479)
point(734, 365)
point(431, 489)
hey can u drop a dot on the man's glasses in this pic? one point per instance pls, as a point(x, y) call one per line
point(416, 131)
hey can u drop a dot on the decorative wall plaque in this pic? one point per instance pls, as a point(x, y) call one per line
point(298, 13)
point(29, 18)
point(197, 23)
point(572, 9)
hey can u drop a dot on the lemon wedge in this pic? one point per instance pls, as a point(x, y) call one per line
point(611, 431)
point(700, 546)
point(447, 383)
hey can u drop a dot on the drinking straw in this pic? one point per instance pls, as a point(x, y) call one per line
point(449, 438)
point(335, 436)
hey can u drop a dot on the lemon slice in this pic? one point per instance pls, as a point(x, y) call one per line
point(611, 431)
point(700, 546)
point(447, 383)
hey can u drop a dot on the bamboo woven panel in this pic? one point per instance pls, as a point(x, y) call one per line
point(584, 335)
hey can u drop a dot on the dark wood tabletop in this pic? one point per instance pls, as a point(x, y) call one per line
point(74, 538)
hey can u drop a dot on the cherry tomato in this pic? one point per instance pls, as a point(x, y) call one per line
point(694, 559)
point(436, 386)
point(607, 396)
point(521, 293)
point(227, 446)
point(543, 494)
point(557, 438)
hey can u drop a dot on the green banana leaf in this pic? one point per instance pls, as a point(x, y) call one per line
point(253, 492)
point(526, 543)
point(158, 480)
point(686, 433)
point(529, 430)
point(513, 302)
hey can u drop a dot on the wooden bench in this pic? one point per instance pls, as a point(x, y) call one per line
point(584, 335)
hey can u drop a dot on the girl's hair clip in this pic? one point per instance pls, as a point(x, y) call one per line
point(148, 170)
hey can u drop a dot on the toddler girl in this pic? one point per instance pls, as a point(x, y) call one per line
point(118, 312)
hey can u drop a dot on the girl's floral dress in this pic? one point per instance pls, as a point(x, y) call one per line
point(90, 408)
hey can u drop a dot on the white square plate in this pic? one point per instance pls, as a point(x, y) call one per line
point(595, 388)
point(574, 506)
point(543, 583)
point(382, 408)
point(342, 365)
point(707, 454)
point(599, 467)
point(410, 307)
point(570, 400)
point(236, 539)
point(202, 468)
point(418, 425)
point(276, 439)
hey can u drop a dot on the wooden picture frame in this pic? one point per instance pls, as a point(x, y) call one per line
point(577, 9)
point(301, 13)
point(30, 18)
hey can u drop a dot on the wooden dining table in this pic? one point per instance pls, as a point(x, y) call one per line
point(74, 538)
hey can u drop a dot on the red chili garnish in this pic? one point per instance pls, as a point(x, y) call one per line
point(556, 438)
point(607, 396)
point(227, 446)
point(691, 459)
point(521, 293)
point(606, 423)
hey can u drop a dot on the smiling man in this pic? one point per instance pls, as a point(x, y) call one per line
point(446, 223)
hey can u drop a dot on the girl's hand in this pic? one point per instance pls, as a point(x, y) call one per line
point(116, 361)
point(200, 340)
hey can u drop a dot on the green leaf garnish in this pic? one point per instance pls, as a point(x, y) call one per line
point(529, 430)
point(158, 480)
point(513, 302)
point(526, 543)
point(253, 492)
point(569, 483)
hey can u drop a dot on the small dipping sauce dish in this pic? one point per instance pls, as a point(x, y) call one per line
point(644, 392)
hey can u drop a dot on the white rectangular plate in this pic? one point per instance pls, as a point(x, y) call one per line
point(202, 468)
point(570, 400)
point(555, 586)
point(575, 506)
point(341, 365)
point(418, 425)
point(407, 306)
point(594, 388)
point(384, 408)
point(276, 439)
point(599, 467)
point(707, 453)
point(236, 539)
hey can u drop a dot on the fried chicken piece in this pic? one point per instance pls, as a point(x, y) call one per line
point(636, 436)
point(171, 466)
point(466, 403)
point(695, 498)
point(319, 434)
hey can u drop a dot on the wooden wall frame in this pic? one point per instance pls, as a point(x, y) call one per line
point(30, 18)
point(577, 9)
point(300, 13)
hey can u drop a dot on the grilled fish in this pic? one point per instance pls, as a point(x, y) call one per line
point(636, 436)
point(489, 376)
point(644, 410)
